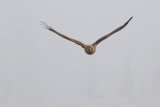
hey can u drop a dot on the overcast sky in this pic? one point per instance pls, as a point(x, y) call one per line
point(40, 69)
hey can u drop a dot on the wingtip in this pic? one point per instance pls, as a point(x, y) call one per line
point(130, 19)
point(43, 24)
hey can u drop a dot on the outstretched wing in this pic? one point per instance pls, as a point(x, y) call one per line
point(63, 36)
point(116, 30)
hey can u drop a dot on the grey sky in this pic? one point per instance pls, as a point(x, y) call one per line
point(40, 69)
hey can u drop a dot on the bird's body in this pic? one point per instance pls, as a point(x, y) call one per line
point(89, 49)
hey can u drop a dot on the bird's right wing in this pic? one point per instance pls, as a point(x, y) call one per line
point(63, 36)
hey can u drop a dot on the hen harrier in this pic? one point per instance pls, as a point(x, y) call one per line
point(89, 49)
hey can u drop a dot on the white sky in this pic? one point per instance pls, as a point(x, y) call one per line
point(40, 69)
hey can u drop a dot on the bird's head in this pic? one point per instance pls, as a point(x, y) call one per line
point(90, 49)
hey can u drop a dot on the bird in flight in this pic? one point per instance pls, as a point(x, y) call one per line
point(89, 49)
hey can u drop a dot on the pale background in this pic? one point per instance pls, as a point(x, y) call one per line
point(40, 69)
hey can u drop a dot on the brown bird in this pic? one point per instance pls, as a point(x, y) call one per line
point(89, 49)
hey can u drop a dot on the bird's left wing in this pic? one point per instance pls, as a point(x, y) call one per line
point(116, 30)
point(70, 39)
